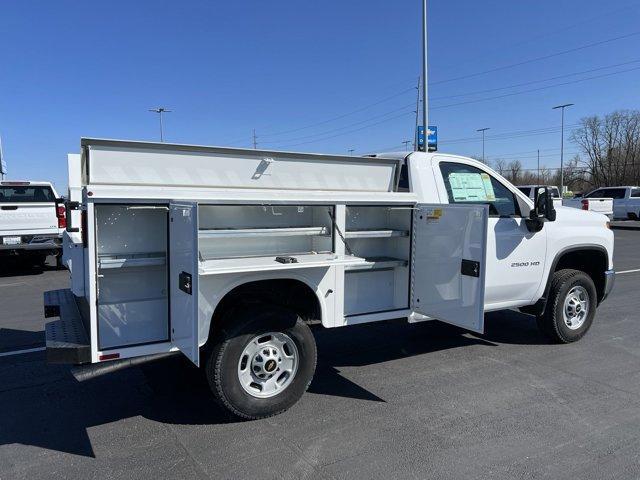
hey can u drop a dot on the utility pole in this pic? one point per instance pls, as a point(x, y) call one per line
point(562, 107)
point(415, 132)
point(255, 140)
point(483, 130)
point(2, 163)
point(425, 78)
point(351, 150)
point(538, 166)
point(160, 111)
point(406, 144)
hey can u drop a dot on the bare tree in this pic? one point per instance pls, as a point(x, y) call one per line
point(514, 170)
point(610, 148)
point(500, 166)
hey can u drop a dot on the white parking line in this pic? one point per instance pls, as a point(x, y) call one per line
point(628, 271)
point(11, 284)
point(21, 352)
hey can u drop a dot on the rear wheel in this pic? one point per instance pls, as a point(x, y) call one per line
point(571, 306)
point(263, 362)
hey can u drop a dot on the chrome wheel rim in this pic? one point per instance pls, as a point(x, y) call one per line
point(268, 364)
point(576, 307)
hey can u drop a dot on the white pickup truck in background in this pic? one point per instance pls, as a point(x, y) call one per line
point(626, 201)
point(32, 219)
point(593, 202)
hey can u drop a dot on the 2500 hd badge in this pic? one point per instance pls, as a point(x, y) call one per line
point(525, 264)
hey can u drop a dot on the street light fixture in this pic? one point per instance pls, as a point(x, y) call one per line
point(160, 111)
point(562, 107)
point(483, 130)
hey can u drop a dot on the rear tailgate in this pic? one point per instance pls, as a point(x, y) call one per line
point(27, 208)
point(28, 218)
point(601, 205)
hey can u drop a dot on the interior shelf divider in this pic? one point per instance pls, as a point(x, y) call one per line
point(128, 260)
point(264, 232)
point(376, 233)
point(378, 263)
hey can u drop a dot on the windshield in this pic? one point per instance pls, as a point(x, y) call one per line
point(26, 194)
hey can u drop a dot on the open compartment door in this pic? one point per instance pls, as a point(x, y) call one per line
point(448, 263)
point(183, 278)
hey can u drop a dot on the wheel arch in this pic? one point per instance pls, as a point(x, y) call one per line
point(294, 293)
point(589, 258)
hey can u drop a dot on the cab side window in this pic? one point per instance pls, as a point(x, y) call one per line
point(468, 184)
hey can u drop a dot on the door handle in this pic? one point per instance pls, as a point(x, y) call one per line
point(470, 268)
point(184, 282)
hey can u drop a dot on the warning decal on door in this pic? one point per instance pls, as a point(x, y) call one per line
point(433, 214)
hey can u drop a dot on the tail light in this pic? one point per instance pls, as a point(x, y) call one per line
point(62, 217)
point(585, 204)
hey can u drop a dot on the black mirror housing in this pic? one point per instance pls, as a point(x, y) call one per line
point(543, 209)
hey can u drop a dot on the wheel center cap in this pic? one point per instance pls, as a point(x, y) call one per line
point(270, 366)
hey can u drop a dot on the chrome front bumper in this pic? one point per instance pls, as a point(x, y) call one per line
point(609, 281)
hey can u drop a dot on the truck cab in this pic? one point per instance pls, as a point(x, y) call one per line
point(519, 261)
point(229, 256)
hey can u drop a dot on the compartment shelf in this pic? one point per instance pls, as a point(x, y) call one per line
point(265, 232)
point(256, 264)
point(376, 233)
point(378, 263)
point(131, 260)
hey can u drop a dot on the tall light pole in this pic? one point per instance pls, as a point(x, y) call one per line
point(483, 130)
point(160, 111)
point(425, 78)
point(562, 107)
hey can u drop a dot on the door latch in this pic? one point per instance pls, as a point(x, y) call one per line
point(184, 282)
point(470, 268)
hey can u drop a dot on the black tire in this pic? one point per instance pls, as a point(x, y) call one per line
point(59, 264)
point(241, 326)
point(551, 323)
point(39, 260)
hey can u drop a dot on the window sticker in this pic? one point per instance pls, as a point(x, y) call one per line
point(471, 187)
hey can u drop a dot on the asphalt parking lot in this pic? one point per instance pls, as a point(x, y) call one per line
point(389, 401)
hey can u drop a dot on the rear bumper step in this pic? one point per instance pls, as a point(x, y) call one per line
point(67, 340)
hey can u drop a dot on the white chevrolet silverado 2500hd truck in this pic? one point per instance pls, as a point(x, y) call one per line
point(229, 255)
point(32, 219)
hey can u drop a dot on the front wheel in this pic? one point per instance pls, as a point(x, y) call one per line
point(571, 306)
point(263, 362)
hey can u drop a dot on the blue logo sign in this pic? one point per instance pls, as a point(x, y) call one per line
point(431, 138)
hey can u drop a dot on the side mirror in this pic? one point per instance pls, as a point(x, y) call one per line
point(543, 210)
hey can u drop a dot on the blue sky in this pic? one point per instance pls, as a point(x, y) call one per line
point(296, 71)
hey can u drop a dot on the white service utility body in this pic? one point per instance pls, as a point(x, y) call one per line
point(228, 255)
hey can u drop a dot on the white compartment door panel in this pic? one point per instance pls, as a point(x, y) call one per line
point(183, 280)
point(449, 263)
